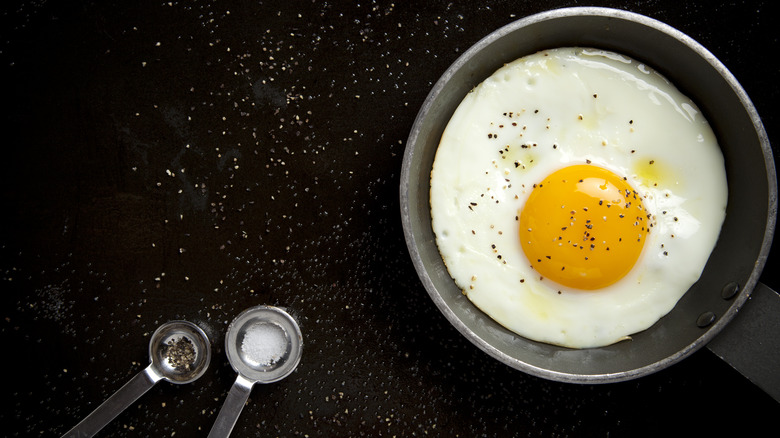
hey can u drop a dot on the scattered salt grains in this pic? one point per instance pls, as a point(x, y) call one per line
point(264, 343)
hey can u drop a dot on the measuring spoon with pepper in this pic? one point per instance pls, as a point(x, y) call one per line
point(179, 352)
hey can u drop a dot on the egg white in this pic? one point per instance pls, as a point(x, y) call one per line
point(563, 107)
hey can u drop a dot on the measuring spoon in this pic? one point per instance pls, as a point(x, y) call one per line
point(179, 352)
point(263, 345)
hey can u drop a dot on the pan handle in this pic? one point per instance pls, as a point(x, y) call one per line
point(751, 341)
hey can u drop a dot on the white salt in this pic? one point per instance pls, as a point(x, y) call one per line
point(264, 343)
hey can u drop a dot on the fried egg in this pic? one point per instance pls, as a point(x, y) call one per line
point(576, 195)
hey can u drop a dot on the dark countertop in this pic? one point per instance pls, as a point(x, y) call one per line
point(187, 160)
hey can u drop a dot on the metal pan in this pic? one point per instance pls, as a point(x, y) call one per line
point(734, 267)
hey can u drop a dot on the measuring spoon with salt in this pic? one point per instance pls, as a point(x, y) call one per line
point(179, 352)
point(263, 345)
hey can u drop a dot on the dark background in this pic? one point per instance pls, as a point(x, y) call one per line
point(189, 159)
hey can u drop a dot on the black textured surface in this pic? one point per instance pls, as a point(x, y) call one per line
point(187, 160)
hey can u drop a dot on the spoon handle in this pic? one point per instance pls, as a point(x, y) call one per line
point(234, 403)
point(115, 404)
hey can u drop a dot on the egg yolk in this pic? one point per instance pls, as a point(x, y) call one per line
point(583, 227)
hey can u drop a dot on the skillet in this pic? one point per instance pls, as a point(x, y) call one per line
point(735, 264)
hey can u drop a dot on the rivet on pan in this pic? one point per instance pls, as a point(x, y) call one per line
point(705, 319)
point(729, 290)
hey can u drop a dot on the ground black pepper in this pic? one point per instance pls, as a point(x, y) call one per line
point(180, 353)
